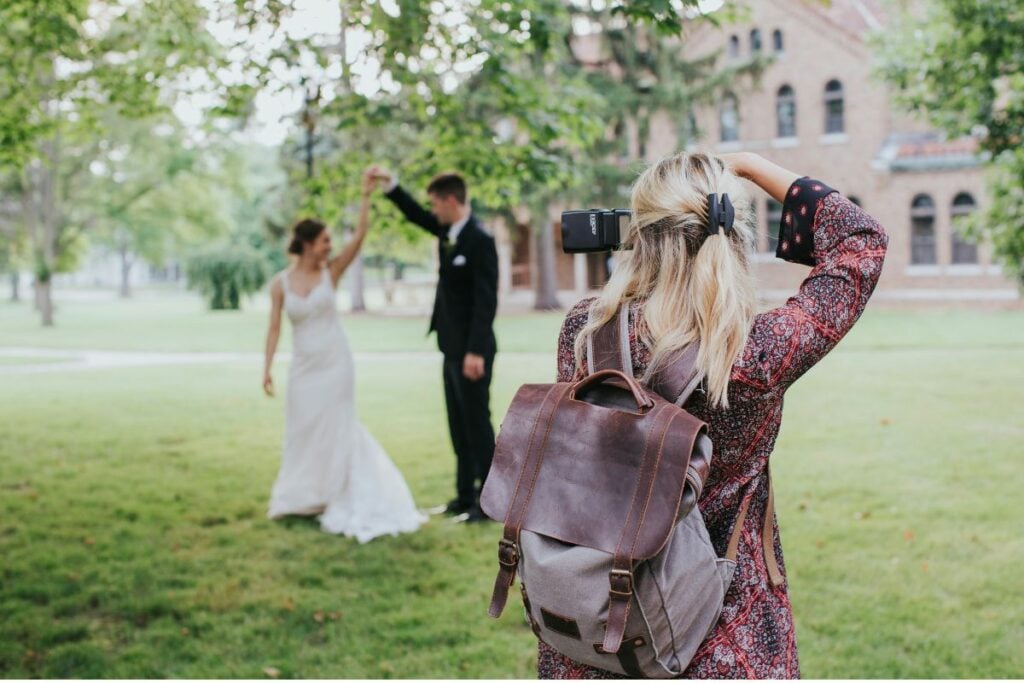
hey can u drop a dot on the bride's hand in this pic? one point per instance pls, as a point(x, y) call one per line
point(369, 182)
point(268, 384)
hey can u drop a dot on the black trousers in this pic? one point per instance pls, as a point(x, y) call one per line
point(469, 422)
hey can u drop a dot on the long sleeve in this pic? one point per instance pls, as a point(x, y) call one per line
point(847, 248)
point(485, 297)
point(413, 212)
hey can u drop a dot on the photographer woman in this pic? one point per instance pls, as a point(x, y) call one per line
point(686, 284)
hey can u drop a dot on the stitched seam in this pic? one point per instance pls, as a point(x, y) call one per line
point(636, 489)
point(650, 487)
point(540, 460)
point(522, 470)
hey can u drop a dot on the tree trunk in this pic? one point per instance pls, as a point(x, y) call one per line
point(126, 273)
point(15, 282)
point(44, 302)
point(546, 287)
point(357, 285)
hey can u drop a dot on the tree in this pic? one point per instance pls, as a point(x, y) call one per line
point(68, 63)
point(961, 67)
point(13, 241)
point(151, 191)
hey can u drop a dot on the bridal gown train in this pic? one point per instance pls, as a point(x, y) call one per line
point(331, 465)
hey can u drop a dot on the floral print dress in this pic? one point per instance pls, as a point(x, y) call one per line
point(754, 637)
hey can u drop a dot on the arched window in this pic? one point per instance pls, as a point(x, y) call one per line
point(963, 251)
point(774, 219)
point(729, 118)
point(755, 41)
point(777, 45)
point(785, 113)
point(922, 230)
point(834, 107)
point(734, 47)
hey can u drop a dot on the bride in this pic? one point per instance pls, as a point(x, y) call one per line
point(331, 466)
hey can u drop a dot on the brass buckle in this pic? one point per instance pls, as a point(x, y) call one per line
point(623, 575)
point(508, 554)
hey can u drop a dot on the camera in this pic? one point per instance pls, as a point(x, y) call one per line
point(591, 230)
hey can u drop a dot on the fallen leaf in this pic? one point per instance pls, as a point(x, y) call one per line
point(271, 671)
point(288, 604)
point(886, 422)
point(924, 566)
point(88, 540)
point(318, 617)
point(908, 535)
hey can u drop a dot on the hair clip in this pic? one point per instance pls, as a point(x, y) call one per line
point(720, 214)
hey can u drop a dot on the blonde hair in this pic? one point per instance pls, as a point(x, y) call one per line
point(695, 288)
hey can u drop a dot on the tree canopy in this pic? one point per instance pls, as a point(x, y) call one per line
point(960, 65)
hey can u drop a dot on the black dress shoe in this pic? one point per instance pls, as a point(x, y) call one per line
point(477, 515)
point(457, 507)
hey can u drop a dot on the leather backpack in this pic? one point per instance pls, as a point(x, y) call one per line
point(597, 482)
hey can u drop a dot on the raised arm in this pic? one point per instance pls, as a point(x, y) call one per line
point(409, 207)
point(846, 248)
point(273, 333)
point(340, 263)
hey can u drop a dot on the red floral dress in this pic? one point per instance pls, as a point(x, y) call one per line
point(754, 637)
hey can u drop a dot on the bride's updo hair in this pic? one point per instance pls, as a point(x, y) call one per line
point(304, 232)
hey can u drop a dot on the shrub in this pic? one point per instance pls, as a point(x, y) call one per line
point(224, 273)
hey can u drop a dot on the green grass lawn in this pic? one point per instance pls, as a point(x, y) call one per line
point(134, 543)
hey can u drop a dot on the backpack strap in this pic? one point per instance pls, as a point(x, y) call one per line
point(608, 346)
point(767, 537)
point(620, 579)
point(608, 349)
point(508, 546)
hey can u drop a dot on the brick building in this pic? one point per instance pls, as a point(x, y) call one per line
point(818, 110)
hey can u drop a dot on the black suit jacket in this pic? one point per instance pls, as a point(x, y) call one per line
point(467, 289)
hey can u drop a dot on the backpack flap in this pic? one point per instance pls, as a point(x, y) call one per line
point(573, 466)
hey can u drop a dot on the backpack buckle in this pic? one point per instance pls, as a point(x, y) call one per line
point(508, 554)
point(621, 581)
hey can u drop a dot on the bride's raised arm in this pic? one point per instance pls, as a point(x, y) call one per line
point(340, 263)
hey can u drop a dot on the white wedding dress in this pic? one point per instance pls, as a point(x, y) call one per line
point(331, 465)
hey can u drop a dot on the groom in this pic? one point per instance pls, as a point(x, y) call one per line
point(463, 317)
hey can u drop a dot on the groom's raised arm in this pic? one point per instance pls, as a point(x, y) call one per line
point(413, 212)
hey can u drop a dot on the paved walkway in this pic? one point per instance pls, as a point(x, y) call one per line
point(65, 360)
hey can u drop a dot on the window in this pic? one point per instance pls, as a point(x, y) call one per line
point(755, 41)
point(729, 118)
point(963, 251)
point(785, 113)
point(734, 47)
point(777, 41)
point(688, 129)
point(922, 230)
point(774, 218)
point(834, 107)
